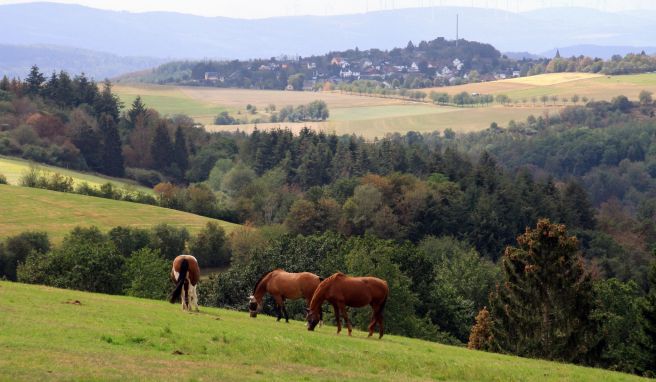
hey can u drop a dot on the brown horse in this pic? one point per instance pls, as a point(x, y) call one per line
point(281, 286)
point(342, 291)
point(185, 273)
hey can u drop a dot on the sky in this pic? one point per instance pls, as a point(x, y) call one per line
point(271, 8)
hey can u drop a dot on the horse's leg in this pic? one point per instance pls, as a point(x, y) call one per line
point(338, 319)
point(279, 306)
point(284, 310)
point(342, 308)
point(194, 297)
point(372, 323)
point(379, 319)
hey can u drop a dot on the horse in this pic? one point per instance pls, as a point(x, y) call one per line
point(185, 273)
point(281, 286)
point(341, 291)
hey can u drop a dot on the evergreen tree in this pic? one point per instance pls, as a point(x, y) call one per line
point(180, 150)
point(112, 152)
point(542, 307)
point(576, 209)
point(34, 81)
point(5, 84)
point(86, 91)
point(481, 337)
point(89, 141)
point(137, 110)
point(161, 148)
point(107, 102)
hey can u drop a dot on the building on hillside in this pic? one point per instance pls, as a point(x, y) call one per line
point(289, 87)
point(516, 73)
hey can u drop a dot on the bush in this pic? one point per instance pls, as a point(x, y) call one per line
point(128, 239)
point(85, 261)
point(147, 274)
point(3, 179)
point(210, 247)
point(169, 240)
point(17, 248)
point(147, 178)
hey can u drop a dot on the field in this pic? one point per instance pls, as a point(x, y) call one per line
point(375, 116)
point(14, 168)
point(24, 208)
point(55, 334)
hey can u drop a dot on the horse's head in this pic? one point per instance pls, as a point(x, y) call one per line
point(313, 318)
point(253, 306)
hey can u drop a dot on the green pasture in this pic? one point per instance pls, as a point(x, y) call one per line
point(24, 208)
point(54, 334)
point(14, 168)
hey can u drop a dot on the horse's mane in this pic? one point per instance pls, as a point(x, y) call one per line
point(262, 278)
point(325, 283)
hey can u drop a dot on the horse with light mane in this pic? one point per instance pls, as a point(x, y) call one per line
point(341, 291)
point(281, 286)
point(185, 273)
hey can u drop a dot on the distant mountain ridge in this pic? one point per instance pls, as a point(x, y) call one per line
point(16, 60)
point(180, 36)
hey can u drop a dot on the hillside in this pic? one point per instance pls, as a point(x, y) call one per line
point(14, 168)
point(174, 35)
point(24, 208)
point(16, 60)
point(63, 334)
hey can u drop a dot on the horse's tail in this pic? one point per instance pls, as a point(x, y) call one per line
point(382, 306)
point(175, 295)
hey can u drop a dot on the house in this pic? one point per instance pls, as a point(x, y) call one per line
point(446, 71)
point(458, 64)
point(516, 73)
point(338, 61)
point(311, 65)
point(289, 87)
point(414, 68)
point(367, 64)
point(211, 76)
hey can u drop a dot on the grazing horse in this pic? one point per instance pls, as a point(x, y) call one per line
point(185, 273)
point(342, 291)
point(281, 286)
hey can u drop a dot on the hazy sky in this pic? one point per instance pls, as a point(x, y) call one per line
point(271, 8)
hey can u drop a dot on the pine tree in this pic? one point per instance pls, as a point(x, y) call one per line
point(112, 152)
point(34, 81)
point(108, 103)
point(5, 84)
point(481, 337)
point(137, 110)
point(161, 148)
point(180, 150)
point(576, 209)
point(542, 308)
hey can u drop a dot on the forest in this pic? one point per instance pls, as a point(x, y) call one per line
point(547, 223)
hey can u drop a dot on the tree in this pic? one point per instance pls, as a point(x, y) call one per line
point(147, 274)
point(542, 308)
point(296, 81)
point(210, 246)
point(645, 97)
point(34, 81)
point(649, 314)
point(17, 248)
point(481, 336)
point(181, 156)
point(161, 148)
point(108, 103)
point(137, 111)
point(112, 152)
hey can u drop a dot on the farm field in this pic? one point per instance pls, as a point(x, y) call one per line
point(14, 168)
point(24, 208)
point(375, 116)
point(72, 335)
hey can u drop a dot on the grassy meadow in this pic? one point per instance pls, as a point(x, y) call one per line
point(375, 116)
point(57, 213)
point(14, 168)
point(55, 334)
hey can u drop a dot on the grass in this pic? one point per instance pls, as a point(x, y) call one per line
point(376, 116)
point(23, 209)
point(55, 334)
point(14, 168)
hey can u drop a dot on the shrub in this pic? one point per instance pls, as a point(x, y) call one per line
point(210, 247)
point(147, 274)
point(17, 248)
point(3, 179)
point(169, 240)
point(148, 178)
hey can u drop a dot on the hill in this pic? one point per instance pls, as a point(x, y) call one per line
point(375, 116)
point(24, 208)
point(64, 334)
point(16, 60)
point(14, 168)
point(174, 35)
